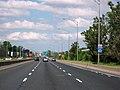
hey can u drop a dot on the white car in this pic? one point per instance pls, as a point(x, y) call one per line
point(44, 59)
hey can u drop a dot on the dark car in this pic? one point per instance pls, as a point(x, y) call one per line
point(53, 59)
point(37, 59)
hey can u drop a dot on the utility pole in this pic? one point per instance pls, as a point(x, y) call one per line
point(99, 33)
point(98, 2)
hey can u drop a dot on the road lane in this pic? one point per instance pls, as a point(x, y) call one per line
point(54, 76)
point(92, 80)
point(49, 77)
point(11, 78)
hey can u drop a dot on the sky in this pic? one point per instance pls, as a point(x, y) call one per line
point(41, 25)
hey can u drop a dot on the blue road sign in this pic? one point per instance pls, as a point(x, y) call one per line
point(99, 48)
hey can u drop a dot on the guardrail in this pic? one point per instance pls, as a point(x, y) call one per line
point(13, 62)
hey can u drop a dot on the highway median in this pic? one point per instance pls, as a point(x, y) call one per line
point(9, 62)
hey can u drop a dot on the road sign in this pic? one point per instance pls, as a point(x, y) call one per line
point(100, 48)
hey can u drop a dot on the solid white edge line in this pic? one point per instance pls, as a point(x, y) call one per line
point(78, 80)
point(25, 79)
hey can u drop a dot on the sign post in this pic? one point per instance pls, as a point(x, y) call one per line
point(99, 51)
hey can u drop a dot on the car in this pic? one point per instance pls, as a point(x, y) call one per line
point(53, 59)
point(45, 59)
point(36, 59)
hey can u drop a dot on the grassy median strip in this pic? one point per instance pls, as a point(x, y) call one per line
point(13, 61)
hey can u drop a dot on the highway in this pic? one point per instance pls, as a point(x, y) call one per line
point(39, 75)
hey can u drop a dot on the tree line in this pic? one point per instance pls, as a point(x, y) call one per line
point(109, 38)
point(9, 50)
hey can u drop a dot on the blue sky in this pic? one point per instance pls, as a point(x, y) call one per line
point(38, 24)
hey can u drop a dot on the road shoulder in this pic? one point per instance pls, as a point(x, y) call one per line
point(100, 68)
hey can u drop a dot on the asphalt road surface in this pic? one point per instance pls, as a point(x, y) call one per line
point(55, 76)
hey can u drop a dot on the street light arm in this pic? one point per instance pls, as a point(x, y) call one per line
point(97, 1)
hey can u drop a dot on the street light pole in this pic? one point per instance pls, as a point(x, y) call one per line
point(99, 33)
point(61, 45)
point(77, 41)
point(77, 36)
point(68, 45)
point(68, 42)
point(98, 2)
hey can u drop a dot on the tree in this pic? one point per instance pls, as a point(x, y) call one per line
point(73, 51)
point(114, 29)
point(91, 37)
point(110, 35)
point(15, 50)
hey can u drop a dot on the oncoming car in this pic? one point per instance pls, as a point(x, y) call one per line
point(36, 59)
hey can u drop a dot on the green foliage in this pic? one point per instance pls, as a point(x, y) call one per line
point(73, 51)
point(6, 47)
point(114, 29)
point(110, 36)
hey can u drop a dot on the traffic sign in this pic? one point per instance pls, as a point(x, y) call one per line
point(100, 48)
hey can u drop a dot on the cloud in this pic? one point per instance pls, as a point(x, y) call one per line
point(79, 36)
point(72, 11)
point(75, 2)
point(26, 36)
point(68, 23)
point(65, 36)
point(12, 12)
point(18, 4)
point(79, 12)
point(26, 25)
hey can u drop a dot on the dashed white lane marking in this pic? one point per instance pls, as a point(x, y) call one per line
point(78, 80)
point(60, 68)
point(57, 66)
point(38, 64)
point(25, 79)
point(30, 74)
point(35, 67)
point(69, 74)
point(63, 70)
point(33, 70)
